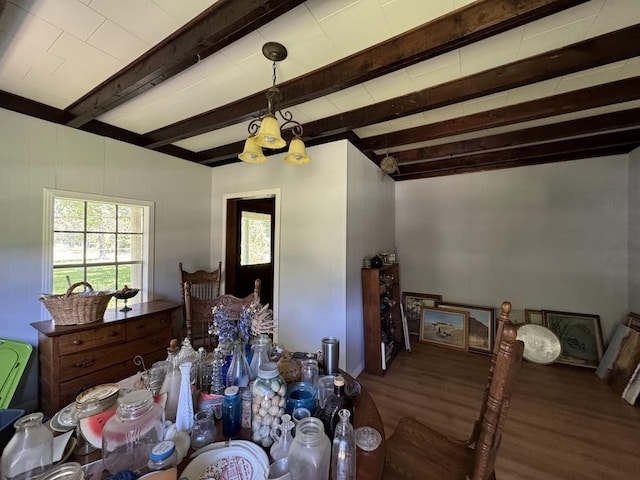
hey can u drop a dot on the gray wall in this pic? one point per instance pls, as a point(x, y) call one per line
point(543, 237)
point(634, 231)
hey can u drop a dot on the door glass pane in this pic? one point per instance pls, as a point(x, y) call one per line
point(255, 243)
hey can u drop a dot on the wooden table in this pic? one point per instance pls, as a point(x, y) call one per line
point(369, 464)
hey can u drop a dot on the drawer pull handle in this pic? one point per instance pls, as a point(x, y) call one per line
point(140, 326)
point(85, 363)
point(77, 342)
point(114, 334)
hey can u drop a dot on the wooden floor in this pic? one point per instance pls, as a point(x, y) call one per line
point(564, 422)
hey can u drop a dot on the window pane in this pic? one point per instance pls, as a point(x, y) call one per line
point(68, 248)
point(60, 284)
point(129, 248)
point(255, 244)
point(101, 217)
point(101, 247)
point(130, 219)
point(102, 278)
point(68, 215)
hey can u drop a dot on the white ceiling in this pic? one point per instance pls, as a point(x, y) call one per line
point(55, 51)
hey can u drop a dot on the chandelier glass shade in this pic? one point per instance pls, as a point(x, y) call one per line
point(265, 131)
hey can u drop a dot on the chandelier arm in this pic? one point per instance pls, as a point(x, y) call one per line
point(254, 126)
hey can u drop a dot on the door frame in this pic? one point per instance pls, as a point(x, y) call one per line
point(252, 195)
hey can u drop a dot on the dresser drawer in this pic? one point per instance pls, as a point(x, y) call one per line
point(87, 361)
point(89, 339)
point(141, 327)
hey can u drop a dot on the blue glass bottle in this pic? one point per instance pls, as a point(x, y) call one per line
point(231, 412)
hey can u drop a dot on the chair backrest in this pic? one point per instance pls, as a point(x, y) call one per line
point(504, 365)
point(198, 310)
point(203, 284)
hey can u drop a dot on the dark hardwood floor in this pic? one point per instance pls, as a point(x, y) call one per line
point(564, 422)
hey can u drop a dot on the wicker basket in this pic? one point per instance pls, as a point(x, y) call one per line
point(77, 308)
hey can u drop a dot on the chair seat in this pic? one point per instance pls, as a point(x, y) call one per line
point(416, 451)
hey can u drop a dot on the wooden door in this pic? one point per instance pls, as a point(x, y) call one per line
point(250, 247)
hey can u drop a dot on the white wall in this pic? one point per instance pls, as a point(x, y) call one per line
point(370, 230)
point(634, 231)
point(37, 155)
point(543, 237)
point(311, 301)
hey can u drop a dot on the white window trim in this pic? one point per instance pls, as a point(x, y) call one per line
point(47, 237)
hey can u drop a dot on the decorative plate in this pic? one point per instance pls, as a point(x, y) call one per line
point(65, 419)
point(368, 438)
point(541, 345)
point(236, 462)
point(100, 392)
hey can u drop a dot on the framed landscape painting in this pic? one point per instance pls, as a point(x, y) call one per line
point(413, 303)
point(580, 336)
point(480, 325)
point(444, 327)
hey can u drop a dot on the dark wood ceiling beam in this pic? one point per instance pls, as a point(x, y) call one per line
point(32, 108)
point(218, 26)
point(622, 141)
point(563, 157)
point(469, 24)
point(552, 131)
point(583, 99)
point(598, 51)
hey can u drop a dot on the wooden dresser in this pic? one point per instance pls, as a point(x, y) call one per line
point(73, 358)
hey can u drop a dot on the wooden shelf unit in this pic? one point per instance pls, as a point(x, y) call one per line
point(382, 320)
point(75, 357)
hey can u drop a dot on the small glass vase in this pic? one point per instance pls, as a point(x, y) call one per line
point(239, 373)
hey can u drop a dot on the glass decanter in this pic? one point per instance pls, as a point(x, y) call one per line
point(343, 453)
point(282, 438)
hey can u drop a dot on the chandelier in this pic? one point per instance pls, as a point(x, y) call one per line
point(264, 132)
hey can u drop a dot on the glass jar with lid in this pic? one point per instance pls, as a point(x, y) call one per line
point(65, 471)
point(129, 435)
point(163, 456)
point(268, 401)
point(30, 451)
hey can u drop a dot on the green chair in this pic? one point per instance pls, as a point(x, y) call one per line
point(14, 357)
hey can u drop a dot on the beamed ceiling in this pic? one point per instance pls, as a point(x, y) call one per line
point(445, 86)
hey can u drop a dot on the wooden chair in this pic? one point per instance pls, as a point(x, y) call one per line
point(416, 451)
point(198, 311)
point(203, 285)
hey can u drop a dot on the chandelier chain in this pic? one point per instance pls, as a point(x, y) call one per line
point(274, 74)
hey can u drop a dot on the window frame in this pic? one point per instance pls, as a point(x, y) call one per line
point(50, 195)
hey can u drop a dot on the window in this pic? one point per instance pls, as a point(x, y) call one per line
point(255, 243)
point(104, 241)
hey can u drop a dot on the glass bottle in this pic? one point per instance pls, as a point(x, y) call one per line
point(334, 403)
point(310, 371)
point(239, 373)
point(218, 382)
point(310, 453)
point(343, 453)
point(30, 451)
point(268, 402)
point(129, 435)
point(231, 411)
point(260, 353)
point(171, 384)
point(184, 414)
point(201, 370)
point(282, 438)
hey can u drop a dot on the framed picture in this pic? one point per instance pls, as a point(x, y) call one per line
point(580, 336)
point(533, 316)
point(413, 303)
point(444, 327)
point(633, 321)
point(480, 325)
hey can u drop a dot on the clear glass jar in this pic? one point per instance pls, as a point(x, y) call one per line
point(310, 453)
point(163, 456)
point(129, 436)
point(65, 471)
point(204, 429)
point(268, 400)
point(343, 451)
point(30, 451)
point(310, 371)
point(246, 397)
